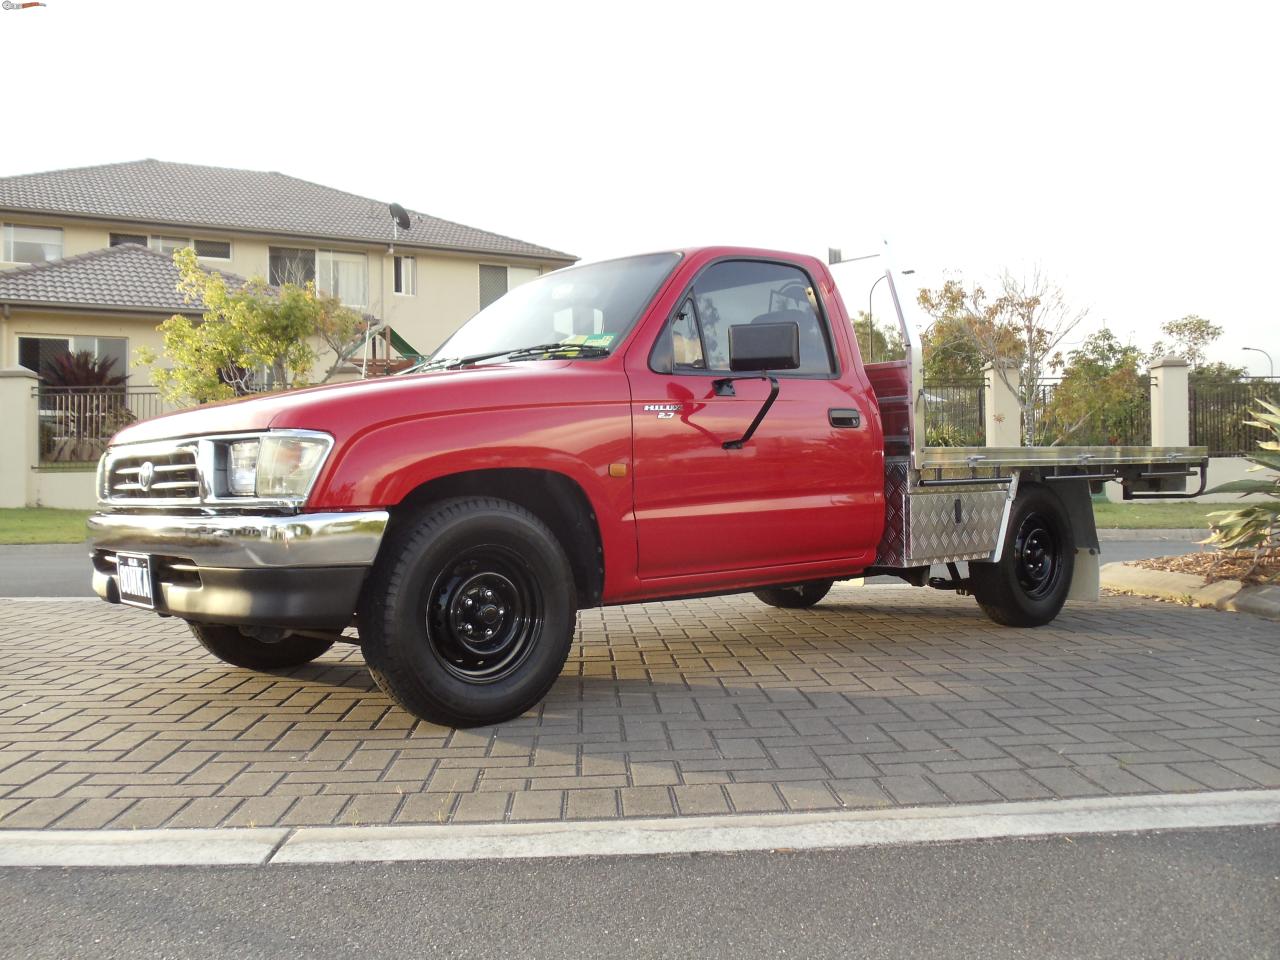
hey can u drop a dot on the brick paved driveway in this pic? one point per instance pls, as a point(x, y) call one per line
point(882, 696)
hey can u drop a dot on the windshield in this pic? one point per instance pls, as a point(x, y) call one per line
point(592, 306)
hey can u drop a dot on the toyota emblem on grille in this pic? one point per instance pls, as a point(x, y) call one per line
point(146, 473)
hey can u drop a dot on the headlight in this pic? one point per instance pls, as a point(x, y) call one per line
point(242, 468)
point(271, 466)
point(287, 465)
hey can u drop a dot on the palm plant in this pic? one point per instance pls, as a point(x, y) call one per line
point(82, 369)
point(1255, 525)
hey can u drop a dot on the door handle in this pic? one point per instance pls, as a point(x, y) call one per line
point(840, 417)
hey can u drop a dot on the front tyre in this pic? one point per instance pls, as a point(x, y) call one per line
point(801, 596)
point(469, 612)
point(232, 646)
point(1029, 584)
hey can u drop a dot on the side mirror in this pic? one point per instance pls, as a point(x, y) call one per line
point(764, 346)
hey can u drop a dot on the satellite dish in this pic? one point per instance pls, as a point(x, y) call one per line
point(400, 215)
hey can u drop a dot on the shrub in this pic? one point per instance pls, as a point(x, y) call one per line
point(1255, 525)
point(82, 369)
point(943, 435)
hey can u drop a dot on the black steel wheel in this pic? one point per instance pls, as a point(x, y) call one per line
point(468, 614)
point(1029, 584)
point(799, 596)
point(1037, 561)
point(484, 614)
point(232, 646)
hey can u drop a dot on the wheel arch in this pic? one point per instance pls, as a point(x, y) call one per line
point(556, 499)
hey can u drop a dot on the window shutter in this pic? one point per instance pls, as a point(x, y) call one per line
point(493, 283)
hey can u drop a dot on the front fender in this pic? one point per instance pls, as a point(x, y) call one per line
point(384, 464)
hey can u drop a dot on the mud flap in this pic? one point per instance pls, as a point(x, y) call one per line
point(1086, 578)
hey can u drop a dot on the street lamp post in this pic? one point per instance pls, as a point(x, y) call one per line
point(871, 329)
point(1270, 362)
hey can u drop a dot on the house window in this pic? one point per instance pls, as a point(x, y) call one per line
point(406, 279)
point(115, 349)
point(519, 275)
point(169, 245)
point(292, 265)
point(493, 284)
point(39, 353)
point(344, 275)
point(213, 249)
point(32, 244)
point(121, 238)
point(495, 281)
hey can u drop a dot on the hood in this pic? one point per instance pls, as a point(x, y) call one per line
point(344, 408)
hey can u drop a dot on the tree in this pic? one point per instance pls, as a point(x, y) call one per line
point(1018, 331)
point(1102, 393)
point(877, 342)
point(247, 334)
point(950, 354)
point(1189, 337)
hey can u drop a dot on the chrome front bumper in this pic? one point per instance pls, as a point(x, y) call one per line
point(302, 570)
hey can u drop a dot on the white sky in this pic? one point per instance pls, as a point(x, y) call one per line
point(1128, 148)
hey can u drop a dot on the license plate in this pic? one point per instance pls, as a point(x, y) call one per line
point(133, 577)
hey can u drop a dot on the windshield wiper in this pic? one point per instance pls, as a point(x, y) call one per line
point(551, 349)
point(516, 353)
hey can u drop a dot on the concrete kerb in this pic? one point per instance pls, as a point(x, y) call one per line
point(1232, 595)
point(1177, 536)
point(719, 834)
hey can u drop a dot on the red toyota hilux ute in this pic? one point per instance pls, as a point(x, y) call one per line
point(675, 424)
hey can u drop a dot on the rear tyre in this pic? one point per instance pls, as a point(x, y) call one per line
point(231, 646)
point(1029, 585)
point(801, 596)
point(469, 612)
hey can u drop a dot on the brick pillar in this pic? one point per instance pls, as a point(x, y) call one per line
point(1170, 403)
point(1003, 413)
point(19, 436)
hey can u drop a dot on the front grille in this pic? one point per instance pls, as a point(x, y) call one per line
point(168, 475)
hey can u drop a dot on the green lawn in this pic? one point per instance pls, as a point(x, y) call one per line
point(42, 525)
point(1173, 515)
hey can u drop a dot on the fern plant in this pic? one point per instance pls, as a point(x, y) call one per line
point(1255, 525)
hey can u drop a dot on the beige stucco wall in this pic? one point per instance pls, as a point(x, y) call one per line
point(139, 330)
point(19, 440)
point(1221, 470)
point(64, 489)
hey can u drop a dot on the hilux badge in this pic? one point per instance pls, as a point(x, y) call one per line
point(665, 411)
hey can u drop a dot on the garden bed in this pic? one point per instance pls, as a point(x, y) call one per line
point(1215, 565)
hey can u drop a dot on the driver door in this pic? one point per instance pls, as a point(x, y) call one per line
point(792, 493)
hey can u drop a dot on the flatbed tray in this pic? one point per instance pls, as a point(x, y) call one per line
point(948, 458)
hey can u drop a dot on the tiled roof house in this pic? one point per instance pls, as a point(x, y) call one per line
point(85, 255)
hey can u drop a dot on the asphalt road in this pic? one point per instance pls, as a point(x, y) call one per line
point(62, 570)
point(45, 570)
point(1189, 894)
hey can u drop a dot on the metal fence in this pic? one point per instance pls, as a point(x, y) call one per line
point(1218, 411)
point(955, 413)
point(77, 422)
point(1121, 421)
